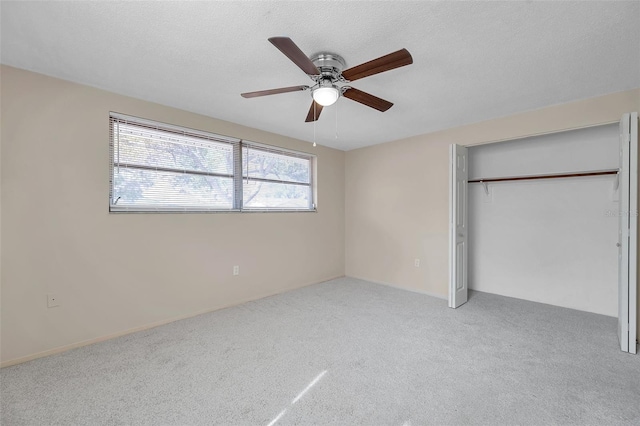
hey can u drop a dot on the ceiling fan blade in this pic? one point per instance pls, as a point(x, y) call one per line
point(273, 91)
point(367, 99)
point(384, 63)
point(293, 52)
point(313, 111)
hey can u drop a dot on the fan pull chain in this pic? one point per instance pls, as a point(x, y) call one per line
point(336, 120)
point(315, 117)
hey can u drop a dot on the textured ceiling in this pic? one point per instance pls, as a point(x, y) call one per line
point(473, 61)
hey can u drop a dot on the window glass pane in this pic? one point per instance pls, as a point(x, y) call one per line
point(155, 148)
point(156, 189)
point(272, 195)
point(270, 165)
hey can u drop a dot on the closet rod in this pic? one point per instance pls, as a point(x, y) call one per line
point(553, 176)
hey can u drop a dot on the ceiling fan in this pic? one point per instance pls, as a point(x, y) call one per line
point(326, 70)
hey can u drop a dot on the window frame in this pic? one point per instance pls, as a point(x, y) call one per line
point(238, 179)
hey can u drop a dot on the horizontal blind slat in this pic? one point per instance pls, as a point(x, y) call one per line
point(164, 168)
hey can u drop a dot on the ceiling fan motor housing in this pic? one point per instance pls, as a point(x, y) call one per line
point(329, 65)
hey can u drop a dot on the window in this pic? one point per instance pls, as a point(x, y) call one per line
point(273, 179)
point(158, 167)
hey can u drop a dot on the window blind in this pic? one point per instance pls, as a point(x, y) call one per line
point(275, 179)
point(160, 167)
point(156, 168)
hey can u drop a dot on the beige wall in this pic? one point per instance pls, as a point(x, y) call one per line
point(115, 273)
point(118, 272)
point(397, 192)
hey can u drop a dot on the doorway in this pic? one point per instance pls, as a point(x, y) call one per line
point(551, 219)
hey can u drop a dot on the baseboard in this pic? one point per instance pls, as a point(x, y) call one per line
point(426, 293)
point(80, 344)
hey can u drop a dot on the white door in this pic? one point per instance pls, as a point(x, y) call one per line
point(628, 233)
point(458, 225)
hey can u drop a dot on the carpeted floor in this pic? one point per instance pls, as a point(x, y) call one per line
point(344, 352)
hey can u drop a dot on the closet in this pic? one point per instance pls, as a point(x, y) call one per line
point(540, 218)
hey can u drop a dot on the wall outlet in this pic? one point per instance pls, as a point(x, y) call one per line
point(417, 263)
point(236, 270)
point(52, 300)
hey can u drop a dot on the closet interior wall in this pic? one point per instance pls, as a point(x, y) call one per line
point(547, 240)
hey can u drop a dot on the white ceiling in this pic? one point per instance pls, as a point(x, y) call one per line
point(473, 61)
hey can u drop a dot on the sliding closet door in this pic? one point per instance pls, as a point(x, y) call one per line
point(628, 233)
point(459, 174)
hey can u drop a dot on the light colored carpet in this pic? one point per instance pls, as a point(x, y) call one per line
point(344, 352)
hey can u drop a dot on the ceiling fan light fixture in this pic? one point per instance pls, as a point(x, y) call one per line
point(327, 70)
point(326, 95)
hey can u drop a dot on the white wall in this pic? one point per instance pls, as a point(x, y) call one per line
point(547, 241)
point(550, 241)
point(593, 148)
